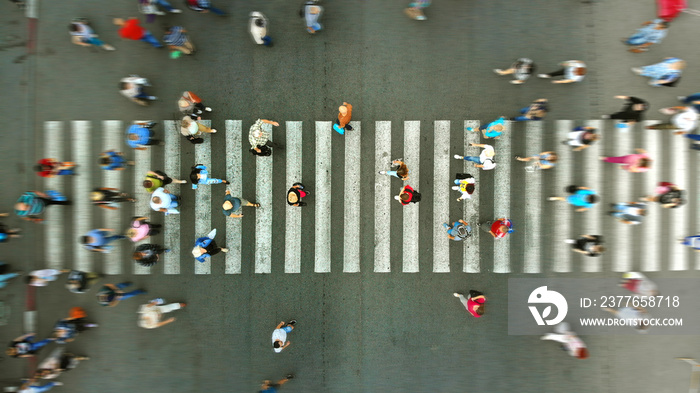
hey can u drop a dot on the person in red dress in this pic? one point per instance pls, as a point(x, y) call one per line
point(407, 195)
point(498, 228)
point(50, 167)
point(474, 304)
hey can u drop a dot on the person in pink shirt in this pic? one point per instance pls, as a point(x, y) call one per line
point(141, 229)
point(474, 304)
point(633, 163)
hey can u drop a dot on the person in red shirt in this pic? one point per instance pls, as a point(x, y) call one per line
point(50, 167)
point(132, 30)
point(408, 195)
point(474, 304)
point(498, 228)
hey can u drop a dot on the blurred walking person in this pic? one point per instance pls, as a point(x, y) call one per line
point(632, 112)
point(132, 30)
point(200, 175)
point(521, 70)
point(312, 12)
point(570, 342)
point(572, 71)
point(66, 329)
point(458, 230)
point(232, 205)
point(669, 195)
point(42, 277)
point(50, 167)
point(257, 136)
point(581, 197)
point(6, 275)
point(492, 130)
point(81, 33)
point(32, 204)
point(110, 294)
point(177, 40)
point(151, 314)
point(651, 32)
point(132, 86)
point(589, 245)
point(485, 160)
point(581, 138)
point(57, 363)
point(535, 111)
point(157, 179)
point(498, 228)
point(544, 160)
point(112, 160)
point(81, 282)
point(191, 105)
point(203, 6)
point(415, 9)
point(98, 240)
point(25, 347)
point(666, 73)
point(150, 9)
point(633, 163)
point(140, 229)
point(465, 184)
point(684, 119)
point(401, 171)
point(109, 198)
point(279, 335)
point(295, 194)
point(193, 129)
point(629, 213)
point(258, 27)
point(148, 254)
point(33, 386)
point(206, 247)
point(140, 135)
point(164, 201)
point(270, 387)
point(342, 123)
point(639, 284)
point(408, 195)
point(474, 303)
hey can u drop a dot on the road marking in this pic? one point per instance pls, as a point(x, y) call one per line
point(234, 167)
point(171, 227)
point(561, 252)
point(679, 216)
point(411, 223)
point(142, 207)
point(593, 175)
point(501, 202)
point(112, 138)
point(202, 199)
point(55, 242)
point(292, 228)
point(263, 218)
point(322, 197)
point(441, 196)
point(472, 262)
point(382, 197)
point(82, 209)
point(351, 237)
point(651, 227)
point(533, 196)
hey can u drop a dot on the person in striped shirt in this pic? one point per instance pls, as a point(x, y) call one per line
point(177, 41)
point(33, 203)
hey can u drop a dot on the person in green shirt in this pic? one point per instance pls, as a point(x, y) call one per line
point(157, 179)
point(232, 205)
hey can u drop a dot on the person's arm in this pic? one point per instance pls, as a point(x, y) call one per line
point(463, 222)
point(450, 237)
point(581, 147)
point(280, 325)
point(274, 123)
point(622, 97)
point(563, 81)
point(78, 41)
point(167, 321)
point(640, 151)
point(286, 344)
point(477, 145)
point(228, 192)
point(104, 206)
point(582, 209)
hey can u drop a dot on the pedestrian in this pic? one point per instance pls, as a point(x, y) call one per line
point(191, 105)
point(279, 335)
point(258, 27)
point(415, 9)
point(148, 254)
point(131, 29)
point(408, 195)
point(150, 9)
point(132, 86)
point(66, 329)
point(570, 342)
point(521, 70)
point(193, 129)
point(177, 40)
point(157, 179)
point(581, 138)
point(50, 167)
point(485, 160)
point(536, 111)
point(164, 201)
point(41, 278)
point(498, 228)
point(5, 275)
point(690, 241)
point(257, 136)
point(6, 233)
point(693, 100)
point(81, 282)
point(590, 245)
point(572, 71)
point(669, 195)
point(312, 12)
point(666, 73)
point(492, 130)
point(342, 123)
point(81, 33)
point(25, 347)
point(151, 314)
point(32, 386)
point(651, 32)
point(109, 198)
point(581, 197)
point(206, 247)
point(57, 363)
point(140, 229)
point(636, 317)
point(295, 193)
point(684, 119)
point(200, 175)
point(269, 387)
point(110, 294)
point(544, 160)
point(112, 160)
point(629, 213)
point(633, 163)
point(98, 240)
point(232, 205)
point(632, 112)
point(32, 204)
point(140, 135)
point(465, 184)
point(474, 303)
point(458, 230)
point(401, 171)
point(639, 284)
point(203, 6)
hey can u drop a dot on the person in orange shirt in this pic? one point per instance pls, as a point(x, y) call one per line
point(344, 116)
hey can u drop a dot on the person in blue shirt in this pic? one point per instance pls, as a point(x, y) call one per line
point(270, 387)
point(206, 246)
point(112, 160)
point(458, 230)
point(200, 175)
point(691, 241)
point(582, 197)
point(98, 239)
point(493, 130)
point(140, 135)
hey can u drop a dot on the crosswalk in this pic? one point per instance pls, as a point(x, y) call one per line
point(419, 243)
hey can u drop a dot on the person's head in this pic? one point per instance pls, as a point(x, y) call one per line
point(405, 196)
point(599, 249)
point(663, 25)
point(552, 157)
point(479, 310)
point(277, 343)
point(592, 198)
point(314, 9)
point(147, 183)
point(133, 137)
point(156, 200)
point(40, 168)
point(343, 110)
point(292, 197)
point(642, 211)
point(582, 353)
point(402, 171)
point(644, 162)
point(194, 175)
point(42, 372)
point(105, 160)
point(131, 232)
point(259, 22)
point(124, 85)
point(21, 206)
point(86, 239)
point(498, 127)
point(96, 195)
point(118, 21)
point(227, 205)
point(679, 65)
point(470, 188)
point(137, 255)
point(580, 71)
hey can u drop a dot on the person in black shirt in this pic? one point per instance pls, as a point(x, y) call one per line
point(668, 195)
point(148, 254)
point(590, 245)
point(80, 282)
point(24, 346)
point(632, 112)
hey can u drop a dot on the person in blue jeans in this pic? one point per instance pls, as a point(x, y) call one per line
point(200, 175)
point(98, 240)
point(270, 387)
point(112, 160)
point(203, 6)
point(582, 197)
point(492, 130)
point(25, 347)
point(32, 386)
point(110, 294)
point(536, 111)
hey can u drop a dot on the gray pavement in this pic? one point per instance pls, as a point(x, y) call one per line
point(363, 332)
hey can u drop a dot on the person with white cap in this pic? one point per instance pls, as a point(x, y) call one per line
point(485, 160)
point(343, 120)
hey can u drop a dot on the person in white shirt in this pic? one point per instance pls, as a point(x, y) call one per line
point(151, 314)
point(279, 335)
point(684, 119)
point(163, 201)
point(41, 278)
point(571, 343)
point(485, 160)
point(572, 71)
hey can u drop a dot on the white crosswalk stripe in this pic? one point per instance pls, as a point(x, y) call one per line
point(621, 240)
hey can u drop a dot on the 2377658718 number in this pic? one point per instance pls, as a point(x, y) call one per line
point(639, 301)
